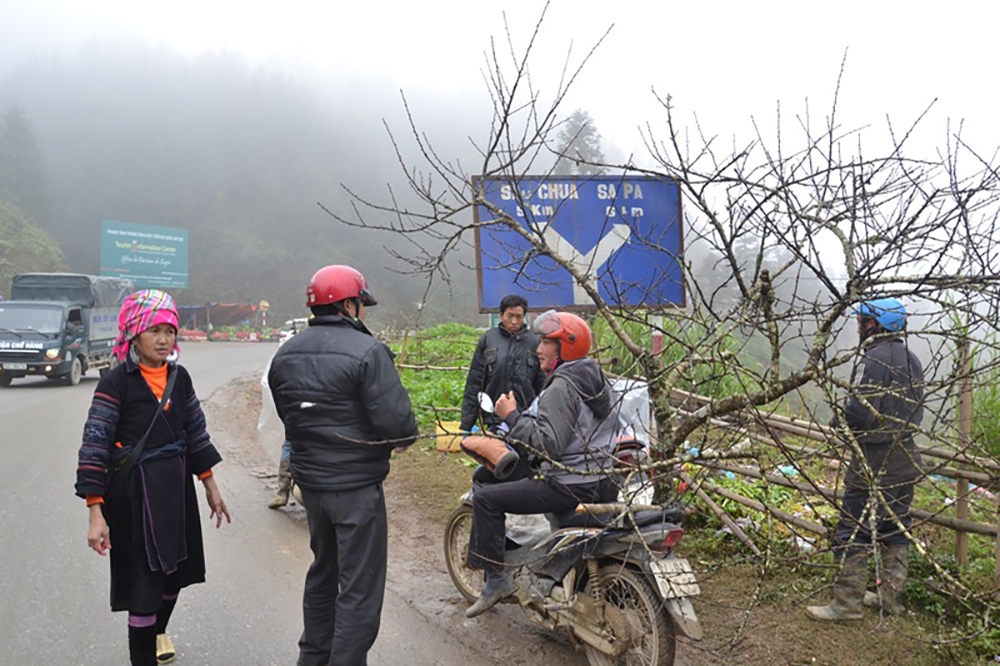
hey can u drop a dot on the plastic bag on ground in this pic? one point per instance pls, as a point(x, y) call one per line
point(270, 429)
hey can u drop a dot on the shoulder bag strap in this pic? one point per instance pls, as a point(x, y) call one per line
point(137, 451)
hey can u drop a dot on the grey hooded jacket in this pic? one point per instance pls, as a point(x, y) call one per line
point(573, 422)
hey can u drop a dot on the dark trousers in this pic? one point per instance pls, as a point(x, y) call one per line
point(491, 503)
point(895, 468)
point(345, 585)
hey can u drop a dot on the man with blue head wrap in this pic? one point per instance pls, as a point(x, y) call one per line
point(883, 413)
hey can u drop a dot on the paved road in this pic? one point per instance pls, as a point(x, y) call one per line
point(53, 589)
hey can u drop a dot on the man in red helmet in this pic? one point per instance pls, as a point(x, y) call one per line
point(570, 427)
point(344, 409)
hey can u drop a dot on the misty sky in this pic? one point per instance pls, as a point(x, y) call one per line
point(727, 62)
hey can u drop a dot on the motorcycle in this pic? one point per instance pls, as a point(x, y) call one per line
point(606, 574)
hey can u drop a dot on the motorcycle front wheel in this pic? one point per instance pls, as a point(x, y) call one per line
point(456, 551)
point(639, 615)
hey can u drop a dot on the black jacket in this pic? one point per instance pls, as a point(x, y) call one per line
point(887, 404)
point(338, 394)
point(503, 362)
point(120, 413)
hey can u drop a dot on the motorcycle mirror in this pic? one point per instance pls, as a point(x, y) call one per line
point(486, 403)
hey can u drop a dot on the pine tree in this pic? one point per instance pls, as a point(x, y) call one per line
point(579, 146)
point(22, 172)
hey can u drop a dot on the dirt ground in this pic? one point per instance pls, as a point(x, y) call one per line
point(424, 488)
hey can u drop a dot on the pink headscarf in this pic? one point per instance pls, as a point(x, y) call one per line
point(140, 312)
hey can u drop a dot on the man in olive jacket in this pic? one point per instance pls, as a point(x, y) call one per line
point(344, 409)
point(504, 361)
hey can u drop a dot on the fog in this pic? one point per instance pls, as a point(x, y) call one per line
point(238, 155)
point(234, 120)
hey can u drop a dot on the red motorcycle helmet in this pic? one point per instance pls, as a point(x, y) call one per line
point(571, 331)
point(332, 284)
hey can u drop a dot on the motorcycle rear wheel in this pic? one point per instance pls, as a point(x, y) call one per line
point(651, 631)
point(456, 550)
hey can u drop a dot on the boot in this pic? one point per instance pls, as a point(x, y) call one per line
point(848, 591)
point(895, 569)
point(498, 586)
point(284, 486)
point(142, 646)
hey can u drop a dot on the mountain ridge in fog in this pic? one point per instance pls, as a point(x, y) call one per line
point(239, 156)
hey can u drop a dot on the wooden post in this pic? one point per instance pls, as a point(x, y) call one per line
point(996, 555)
point(656, 346)
point(401, 359)
point(964, 439)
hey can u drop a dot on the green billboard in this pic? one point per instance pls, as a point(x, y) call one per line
point(149, 255)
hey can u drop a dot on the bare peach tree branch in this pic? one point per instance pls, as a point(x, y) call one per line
point(786, 233)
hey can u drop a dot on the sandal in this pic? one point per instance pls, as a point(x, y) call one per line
point(165, 652)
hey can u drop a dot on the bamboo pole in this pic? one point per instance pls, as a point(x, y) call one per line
point(933, 452)
point(940, 470)
point(969, 526)
point(953, 456)
point(964, 474)
point(783, 516)
point(780, 480)
point(996, 556)
point(726, 519)
point(445, 368)
point(821, 433)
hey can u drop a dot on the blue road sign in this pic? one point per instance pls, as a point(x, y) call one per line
point(624, 230)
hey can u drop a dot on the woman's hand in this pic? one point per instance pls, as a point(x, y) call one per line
point(506, 404)
point(215, 502)
point(98, 536)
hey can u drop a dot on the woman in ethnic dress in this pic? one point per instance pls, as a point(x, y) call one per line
point(144, 444)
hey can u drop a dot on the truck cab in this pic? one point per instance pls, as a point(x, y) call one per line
point(59, 326)
point(33, 340)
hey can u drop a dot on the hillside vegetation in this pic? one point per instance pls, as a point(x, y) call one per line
point(24, 246)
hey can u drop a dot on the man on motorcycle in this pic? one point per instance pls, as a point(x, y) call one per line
point(570, 426)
